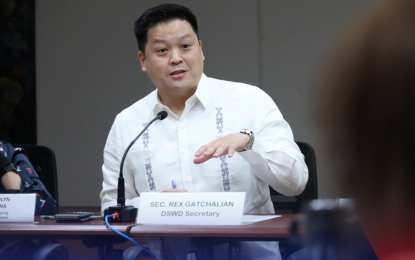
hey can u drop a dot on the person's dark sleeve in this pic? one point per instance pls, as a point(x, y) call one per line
point(45, 203)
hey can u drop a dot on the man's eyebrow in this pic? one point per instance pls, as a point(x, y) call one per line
point(184, 36)
point(163, 40)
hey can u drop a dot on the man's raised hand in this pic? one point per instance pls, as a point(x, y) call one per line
point(226, 145)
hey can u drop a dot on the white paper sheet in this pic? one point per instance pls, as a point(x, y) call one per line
point(253, 218)
point(185, 208)
point(17, 207)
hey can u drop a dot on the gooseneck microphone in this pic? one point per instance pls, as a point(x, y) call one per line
point(127, 213)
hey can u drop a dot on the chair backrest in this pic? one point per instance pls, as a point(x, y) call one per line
point(288, 204)
point(43, 160)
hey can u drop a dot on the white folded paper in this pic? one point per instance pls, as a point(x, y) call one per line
point(17, 207)
point(186, 208)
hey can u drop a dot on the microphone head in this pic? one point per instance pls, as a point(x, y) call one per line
point(161, 115)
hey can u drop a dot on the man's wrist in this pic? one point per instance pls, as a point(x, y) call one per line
point(251, 139)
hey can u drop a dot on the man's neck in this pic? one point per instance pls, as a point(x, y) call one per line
point(176, 104)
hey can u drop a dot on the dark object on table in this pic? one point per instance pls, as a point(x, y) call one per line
point(75, 217)
point(332, 233)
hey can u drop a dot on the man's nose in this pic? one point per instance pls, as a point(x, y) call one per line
point(176, 57)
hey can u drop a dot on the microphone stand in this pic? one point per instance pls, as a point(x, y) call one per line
point(127, 213)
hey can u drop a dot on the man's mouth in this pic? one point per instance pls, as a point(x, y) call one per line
point(177, 72)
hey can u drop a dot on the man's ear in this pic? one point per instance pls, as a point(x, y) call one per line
point(142, 58)
point(200, 45)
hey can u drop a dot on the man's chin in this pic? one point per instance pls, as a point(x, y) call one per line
point(182, 89)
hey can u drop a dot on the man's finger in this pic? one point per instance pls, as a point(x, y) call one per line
point(201, 150)
point(219, 152)
point(231, 151)
point(209, 151)
point(201, 159)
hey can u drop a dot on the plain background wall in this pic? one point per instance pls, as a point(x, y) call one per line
point(87, 70)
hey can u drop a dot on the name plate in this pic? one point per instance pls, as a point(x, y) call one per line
point(186, 208)
point(17, 207)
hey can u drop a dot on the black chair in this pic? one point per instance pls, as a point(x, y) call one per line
point(293, 204)
point(54, 251)
point(34, 249)
point(44, 162)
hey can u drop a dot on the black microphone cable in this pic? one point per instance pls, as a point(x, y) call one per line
point(121, 187)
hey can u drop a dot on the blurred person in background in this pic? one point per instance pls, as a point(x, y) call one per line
point(368, 117)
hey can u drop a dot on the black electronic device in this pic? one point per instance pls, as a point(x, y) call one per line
point(75, 217)
point(127, 213)
point(73, 220)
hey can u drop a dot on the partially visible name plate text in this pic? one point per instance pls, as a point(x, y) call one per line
point(17, 207)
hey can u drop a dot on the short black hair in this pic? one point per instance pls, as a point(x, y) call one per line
point(161, 14)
